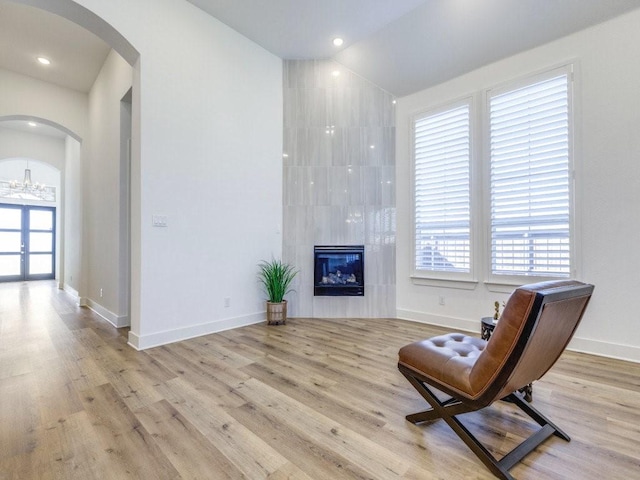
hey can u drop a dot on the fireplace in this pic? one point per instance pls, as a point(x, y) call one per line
point(338, 270)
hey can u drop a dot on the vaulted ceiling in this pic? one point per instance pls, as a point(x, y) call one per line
point(405, 46)
point(401, 45)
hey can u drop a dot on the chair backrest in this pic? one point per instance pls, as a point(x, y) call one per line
point(535, 327)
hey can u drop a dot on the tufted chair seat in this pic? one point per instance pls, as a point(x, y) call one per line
point(536, 325)
point(448, 358)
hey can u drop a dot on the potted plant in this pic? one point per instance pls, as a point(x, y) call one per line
point(276, 277)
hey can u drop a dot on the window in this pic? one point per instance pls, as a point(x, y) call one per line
point(525, 158)
point(530, 201)
point(441, 189)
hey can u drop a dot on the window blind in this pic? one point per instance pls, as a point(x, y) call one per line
point(530, 198)
point(441, 189)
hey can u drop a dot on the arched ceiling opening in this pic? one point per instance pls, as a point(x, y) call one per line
point(51, 128)
point(75, 39)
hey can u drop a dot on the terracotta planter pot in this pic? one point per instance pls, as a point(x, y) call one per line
point(277, 313)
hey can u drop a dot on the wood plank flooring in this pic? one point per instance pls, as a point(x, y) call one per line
point(314, 399)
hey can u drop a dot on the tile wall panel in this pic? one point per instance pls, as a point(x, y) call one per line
point(339, 183)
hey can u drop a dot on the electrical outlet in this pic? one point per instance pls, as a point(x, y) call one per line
point(227, 302)
point(100, 293)
point(441, 300)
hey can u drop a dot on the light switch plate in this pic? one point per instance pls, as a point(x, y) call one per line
point(159, 221)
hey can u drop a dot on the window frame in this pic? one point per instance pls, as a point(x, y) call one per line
point(503, 282)
point(464, 280)
point(479, 186)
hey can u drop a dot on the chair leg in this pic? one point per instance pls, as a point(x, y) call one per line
point(452, 406)
point(440, 409)
point(492, 463)
point(538, 417)
point(449, 409)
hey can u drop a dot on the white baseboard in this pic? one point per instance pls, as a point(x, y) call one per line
point(142, 342)
point(71, 291)
point(584, 345)
point(440, 321)
point(629, 353)
point(117, 321)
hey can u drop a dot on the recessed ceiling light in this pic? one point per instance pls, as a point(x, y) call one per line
point(338, 42)
point(336, 73)
point(44, 61)
point(32, 124)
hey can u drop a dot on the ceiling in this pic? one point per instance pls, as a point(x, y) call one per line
point(401, 45)
point(305, 28)
point(405, 46)
point(27, 32)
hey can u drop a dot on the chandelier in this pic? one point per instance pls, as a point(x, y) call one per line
point(27, 189)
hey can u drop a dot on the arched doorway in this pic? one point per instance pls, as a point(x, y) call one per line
point(80, 272)
point(47, 151)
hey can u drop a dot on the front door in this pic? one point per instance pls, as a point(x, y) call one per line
point(27, 242)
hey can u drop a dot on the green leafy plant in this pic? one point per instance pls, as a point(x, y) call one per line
point(276, 277)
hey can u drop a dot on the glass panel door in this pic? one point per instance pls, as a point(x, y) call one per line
point(40, 244)
point(11, 245)
point(27, 243)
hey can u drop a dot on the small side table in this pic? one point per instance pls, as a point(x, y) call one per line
point(487, 325)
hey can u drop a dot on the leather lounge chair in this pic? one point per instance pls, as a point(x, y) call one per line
point(457, 374)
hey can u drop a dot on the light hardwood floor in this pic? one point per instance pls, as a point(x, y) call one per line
point(313, 399)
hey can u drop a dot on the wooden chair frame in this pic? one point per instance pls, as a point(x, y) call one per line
point(449, 409)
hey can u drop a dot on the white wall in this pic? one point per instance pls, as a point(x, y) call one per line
point(72, 209)
point(608, 175)
point(22, 95)
point(16, 143)
point(208, 111)
point(102, 208)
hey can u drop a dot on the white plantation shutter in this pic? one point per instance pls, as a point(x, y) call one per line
point(441, 189)
point(530, 180)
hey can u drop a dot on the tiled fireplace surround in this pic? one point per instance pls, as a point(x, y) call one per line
point(339, 183)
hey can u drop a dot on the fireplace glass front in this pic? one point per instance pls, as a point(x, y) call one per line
point(339, 270)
